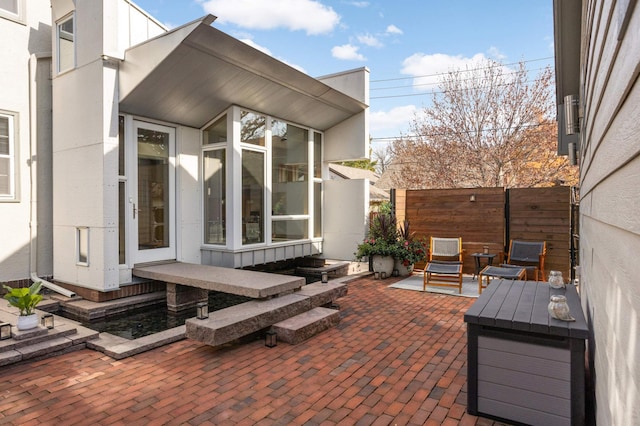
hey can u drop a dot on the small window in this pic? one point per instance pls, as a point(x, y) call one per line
point(82, 243)
point(7, 157)
point(66, 44)
point(12, 9)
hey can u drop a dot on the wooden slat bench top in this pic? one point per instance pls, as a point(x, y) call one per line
point(522, 305)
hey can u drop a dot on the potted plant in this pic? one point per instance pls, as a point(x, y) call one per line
point(382, 243)
point(409, 250)
point(26, 300)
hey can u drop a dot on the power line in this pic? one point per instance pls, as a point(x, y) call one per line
point(458, 133)
point(467, 70)
point(440, 92)
point(435, 83)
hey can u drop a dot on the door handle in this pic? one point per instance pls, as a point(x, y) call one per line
point(134, 210)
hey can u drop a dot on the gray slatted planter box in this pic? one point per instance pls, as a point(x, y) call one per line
point(523, 365)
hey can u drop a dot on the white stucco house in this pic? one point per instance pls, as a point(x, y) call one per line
point(597, 50)
point(124, 143)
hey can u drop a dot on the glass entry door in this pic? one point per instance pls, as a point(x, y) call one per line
point(153, 200)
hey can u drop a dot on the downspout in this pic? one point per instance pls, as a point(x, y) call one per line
point(33, 180)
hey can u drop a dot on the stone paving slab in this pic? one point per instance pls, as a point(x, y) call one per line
point(119, 348)
point(301, 327)
point(240, 282)
point(88, 310)
point(44, 348)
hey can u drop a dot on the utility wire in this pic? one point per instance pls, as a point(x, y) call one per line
point(435, 83)
point(467, 70)
point(461, 132)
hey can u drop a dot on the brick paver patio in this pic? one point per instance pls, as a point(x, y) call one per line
point(398, 357)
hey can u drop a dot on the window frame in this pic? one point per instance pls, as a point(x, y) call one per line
point(12, 135)
point(18, 17)
point(59, 24)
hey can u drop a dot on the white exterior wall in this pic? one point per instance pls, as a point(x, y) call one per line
point(346, 211)
point(609, 207)
point(85, 139)
point(188, 195)
point(349, 140)
point(24, 45)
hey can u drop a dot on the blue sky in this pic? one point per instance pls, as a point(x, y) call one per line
point(397, 40)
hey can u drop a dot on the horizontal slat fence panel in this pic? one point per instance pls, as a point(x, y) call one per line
point(529, 207)
point(452, 213)
point(478, 216)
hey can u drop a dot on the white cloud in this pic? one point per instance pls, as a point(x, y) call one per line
point(360, 4)
point(347, 52)
point(428, 69)
point(495, 53)
point(392, 29)
point(391, 123)
point(256, 46)
point(266, 15)
point(369, 40)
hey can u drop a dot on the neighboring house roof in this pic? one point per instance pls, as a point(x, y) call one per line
point(347, 172)
point(192, 73)
point(338, 171)
point(390, 177)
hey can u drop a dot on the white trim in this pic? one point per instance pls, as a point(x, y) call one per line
point(83, 240)
point(19, 17)
point(59, 23)
point(11, 156)
point(165, 253)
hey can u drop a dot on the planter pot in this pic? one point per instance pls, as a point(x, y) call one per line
point(383, 264)
point(27, 322)
point(404, 271)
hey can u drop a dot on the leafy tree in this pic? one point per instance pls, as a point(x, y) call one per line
point(361, 164)
point(486, 127)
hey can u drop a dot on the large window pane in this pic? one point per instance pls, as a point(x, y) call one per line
point(290, 169)
point(121, 145)
point(289, 230)
point(122, 203)
point(66, 50)
point(153, 189)
point(6, 156)
point(317, 155)
point(252, 128)
point(215, 133)
point(215, 197)
point(9, 5)
point(317, 209)
point(252, 197)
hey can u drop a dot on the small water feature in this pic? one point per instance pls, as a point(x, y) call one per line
point(153, 319)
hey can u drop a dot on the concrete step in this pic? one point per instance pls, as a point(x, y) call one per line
point(305, 325)
point(38, 343)
point(229, 324)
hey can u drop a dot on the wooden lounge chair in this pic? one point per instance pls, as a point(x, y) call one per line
point(528, 254)
point(444, 266)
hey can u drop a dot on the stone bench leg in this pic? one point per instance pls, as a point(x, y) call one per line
point(181, 298)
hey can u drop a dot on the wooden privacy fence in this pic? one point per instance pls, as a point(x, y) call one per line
point(493, 216)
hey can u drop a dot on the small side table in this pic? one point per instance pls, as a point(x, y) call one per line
point(476, 258)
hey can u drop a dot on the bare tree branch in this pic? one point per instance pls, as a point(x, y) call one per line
point(487, 127)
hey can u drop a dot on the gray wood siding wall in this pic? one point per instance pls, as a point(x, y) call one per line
point(525, 382)
point(610, 205)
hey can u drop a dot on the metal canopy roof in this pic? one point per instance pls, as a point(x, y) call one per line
point(189, 75)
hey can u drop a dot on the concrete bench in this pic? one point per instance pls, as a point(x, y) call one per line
point(305, 325)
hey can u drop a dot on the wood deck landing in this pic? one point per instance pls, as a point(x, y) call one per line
point(253, 284)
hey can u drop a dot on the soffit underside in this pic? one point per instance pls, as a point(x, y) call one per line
point(199, 76)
